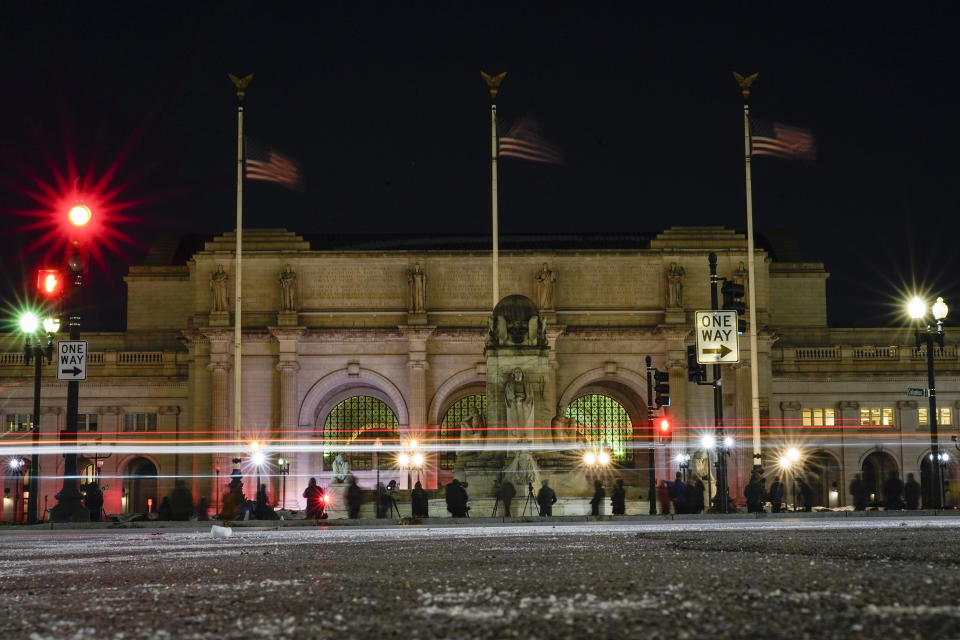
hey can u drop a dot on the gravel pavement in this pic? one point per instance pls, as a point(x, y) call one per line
point(847, 578)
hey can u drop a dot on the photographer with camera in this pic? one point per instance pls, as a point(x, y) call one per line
point(546, 498)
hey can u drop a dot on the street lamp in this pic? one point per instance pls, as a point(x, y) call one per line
point(38, 350)
point(787, 461)
point(16, 465)
point(284, 466)
point(917, 309)
point(258, 458)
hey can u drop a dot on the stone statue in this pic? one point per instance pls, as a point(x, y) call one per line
point(418, 289)
point(675, 286)
point(288, 285)
point(522, 471)
point(218, 287)
point(472, 427)
point(341, 468)
point(563, 429)
point(518, 397)
point(545, 280)
point(516, 322)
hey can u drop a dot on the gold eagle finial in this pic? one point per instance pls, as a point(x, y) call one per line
point(241, 84)
point(745, 83)
point(493, 82)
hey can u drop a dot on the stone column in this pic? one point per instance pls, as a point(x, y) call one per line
point(168, 422)
point(417, 338)
point(554, 331)
point(288, 365)
point(220, 417)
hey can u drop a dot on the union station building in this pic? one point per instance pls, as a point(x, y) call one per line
point(366, 343)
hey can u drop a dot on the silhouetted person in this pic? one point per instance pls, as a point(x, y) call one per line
point(698, 500)
point(181, 501)
point(678, 495)
point(892, 490)
point(505, 493)
point(663, 497)
point(598, 495)
point(163, 511)
point(314, 495)
point(806, 495)
point(618, 499)
point(263, 510)
point(203, 509)
point(777, 494)
point(860, 493)
point(911, 492)
point(754, 494)
point(456, 497)
point(546, 498)
point(93, 501)
point(419, 504)
point(354, 498)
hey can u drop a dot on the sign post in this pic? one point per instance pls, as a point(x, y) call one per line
point(917, 392)
point(72, 360)
point(717, 338)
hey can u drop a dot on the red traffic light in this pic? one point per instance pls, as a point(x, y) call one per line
point(50, 283)
point(665, 426)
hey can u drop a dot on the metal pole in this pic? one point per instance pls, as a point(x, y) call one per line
point(494, 153)
point(69, 505)
point(722, 487)
point(651, 458)
point(937, 488)
point(752, 298)
point(33, 503)
point(237, 313)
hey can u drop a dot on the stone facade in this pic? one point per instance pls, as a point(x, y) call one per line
point(347, 325)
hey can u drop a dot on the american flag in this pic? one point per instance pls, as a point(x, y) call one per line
point(269, 165)
point(781, 141)
point(524, 142)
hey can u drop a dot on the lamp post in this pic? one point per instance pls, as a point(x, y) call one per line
point(34, 348)
point(284, 466)
point(69, 505)
point(787, 462)
point(16, 465)
point(683, 461)
point(917, 309)
point(257, 457)
point(216, 491)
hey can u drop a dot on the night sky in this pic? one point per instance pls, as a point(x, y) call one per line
point(385, 109)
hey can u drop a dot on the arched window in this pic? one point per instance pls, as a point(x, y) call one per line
point(603, 422)
point(450, 425)
point(360, 420)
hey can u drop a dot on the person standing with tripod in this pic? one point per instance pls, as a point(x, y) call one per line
point(546, 498)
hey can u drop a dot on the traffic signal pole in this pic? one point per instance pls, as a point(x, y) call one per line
point(69, 506)
point(722, 486)
point(651, 461)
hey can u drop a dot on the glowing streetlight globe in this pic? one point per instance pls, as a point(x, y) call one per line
point(784, 462)
point(917, 308)
point(404, 460)
point(603, 458)
point(418, 460)
point(16, 463)
point(728, 442)
point(51, 325)
point(793, 454)
point(590, 458)
point(939, 309)
point(79, 214)
point(29, 322)
point(708, 442)
point(258, 458)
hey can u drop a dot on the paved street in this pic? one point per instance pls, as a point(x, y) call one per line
point(851, 577)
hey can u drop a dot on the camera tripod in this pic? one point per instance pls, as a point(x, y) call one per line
point(530, 502)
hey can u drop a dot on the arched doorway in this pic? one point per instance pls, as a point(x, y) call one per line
point(876, 467)
point(359, 421)
point(467, 411)
point(603, 422)
point(948, 473)
point(141, 487)
point(823, 476)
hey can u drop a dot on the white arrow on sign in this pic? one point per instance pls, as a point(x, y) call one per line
point(717, 339)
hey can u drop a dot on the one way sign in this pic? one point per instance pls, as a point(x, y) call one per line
point(717, 340)
point(72, 360)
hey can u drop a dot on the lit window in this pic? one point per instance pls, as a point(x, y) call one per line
point(360, 420)
point(19, 422)
point(819, 417)
point(876, 417)
point(88, 422)
point(468, 408)
point(603, 422)
point(946, 416)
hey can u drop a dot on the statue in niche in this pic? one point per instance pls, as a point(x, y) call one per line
point(341, 468)
point(518, 398)
point(522, 471)
point(288, 285)
point(564, 429)
point(218, 288)
point(418, 285)
point(516, 322)
point(675, 286)
point(740, 275)
point(545, 281)
point(472, 426)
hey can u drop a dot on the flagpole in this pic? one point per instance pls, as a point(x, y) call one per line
point(241, 84)
point(751, 279)
point(493, 84)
